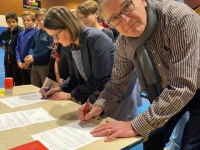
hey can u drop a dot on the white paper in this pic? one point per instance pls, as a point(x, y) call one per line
point(24, 118)
point(68, 137)
point(22, 100)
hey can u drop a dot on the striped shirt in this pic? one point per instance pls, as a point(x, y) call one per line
point(174, 47)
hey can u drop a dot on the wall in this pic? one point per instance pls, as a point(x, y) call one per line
point(3, 21)
point(17, 5)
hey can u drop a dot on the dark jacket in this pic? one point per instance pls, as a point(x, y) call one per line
point(97, 55)
point(10, 38)
point(39, 48)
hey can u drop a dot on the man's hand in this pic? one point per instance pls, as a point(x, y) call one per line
point(94, 112)
point(114, 129)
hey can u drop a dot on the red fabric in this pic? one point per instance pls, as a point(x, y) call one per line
point(57, 55)
point(104, 25)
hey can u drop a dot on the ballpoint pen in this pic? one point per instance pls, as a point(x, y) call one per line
point(47, 90)
point(86, 109)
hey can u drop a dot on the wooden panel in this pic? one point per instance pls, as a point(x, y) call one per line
point(17, 5)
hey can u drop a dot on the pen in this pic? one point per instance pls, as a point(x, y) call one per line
point(86, 109)
point(47, 90)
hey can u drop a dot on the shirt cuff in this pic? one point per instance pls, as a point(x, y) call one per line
point(141, 126)
point(102, 103)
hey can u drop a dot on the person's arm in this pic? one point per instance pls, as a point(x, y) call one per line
point(5, 35)
point(101, 59)
point(183, 67)
point(17, 49)
point(45, 52)
point(56, 69)
point(32, 47)
point(71, 82)
point(1, 39)
point(111, 35)
point(121, 74)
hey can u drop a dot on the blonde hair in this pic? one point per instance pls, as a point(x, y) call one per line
point(59, 17)
point(88, 7)
point(40, 12)
point(29, 13)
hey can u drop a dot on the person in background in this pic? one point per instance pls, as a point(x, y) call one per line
point(58, 67)
point(160, 39)
point(87, 13)
point(61, 64)
point(175, 143)
point(24, 41)
point(36, 25)
point(102, 23)
point(10, 37)
point(39, 53)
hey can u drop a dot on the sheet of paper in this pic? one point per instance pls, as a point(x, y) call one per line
point(68, 137)
point(22, 100)
point(24, 118)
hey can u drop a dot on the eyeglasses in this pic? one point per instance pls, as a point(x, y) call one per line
point(53, 46)
point(56, 35)
point(126, 10)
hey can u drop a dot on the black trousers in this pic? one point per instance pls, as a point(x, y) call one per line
point(191, 135)
point(12, 70)
point(26, 76)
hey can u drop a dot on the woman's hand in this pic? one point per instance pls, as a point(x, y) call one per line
point(61, 96)
point(49, 93)
point(114, 129)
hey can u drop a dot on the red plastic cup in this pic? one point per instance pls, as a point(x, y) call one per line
point(8, 83)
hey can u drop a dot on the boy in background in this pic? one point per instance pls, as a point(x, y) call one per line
point(24, 41)
point(39, 53)
point(87, 13)
point(10, 37)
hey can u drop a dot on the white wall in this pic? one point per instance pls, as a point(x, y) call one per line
point(3, 21)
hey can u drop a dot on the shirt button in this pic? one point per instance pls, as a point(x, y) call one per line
point(158, 65)
point(165, 77)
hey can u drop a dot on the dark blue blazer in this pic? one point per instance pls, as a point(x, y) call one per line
point(97, 54)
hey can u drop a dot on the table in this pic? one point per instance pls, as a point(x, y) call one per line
point(64, 112)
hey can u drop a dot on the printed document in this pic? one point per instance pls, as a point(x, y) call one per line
point(68, 137)
point(22, 100)
point(24, 118)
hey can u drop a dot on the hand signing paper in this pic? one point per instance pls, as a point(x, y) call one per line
point(94, 112)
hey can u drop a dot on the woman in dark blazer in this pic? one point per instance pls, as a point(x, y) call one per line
point(90, 55)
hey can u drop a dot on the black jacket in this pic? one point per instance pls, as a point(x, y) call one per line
point(10, 38)
point(97, 55)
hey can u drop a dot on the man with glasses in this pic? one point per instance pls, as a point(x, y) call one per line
point(160, 40)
